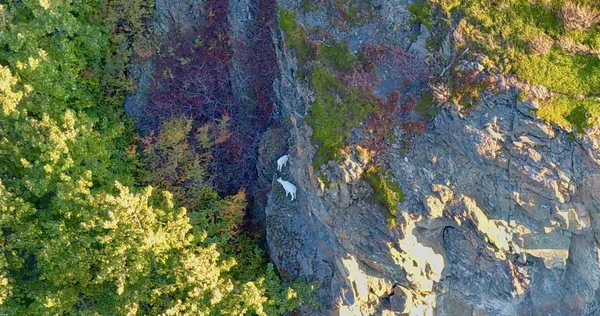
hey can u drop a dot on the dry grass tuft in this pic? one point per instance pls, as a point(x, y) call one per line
point(569, 45)
point(441, 93)
point(540, 44)
point(578, 17)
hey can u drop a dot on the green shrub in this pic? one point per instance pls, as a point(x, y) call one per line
point(334, 113)
point(561, 72)
point(570, 112)
point(172, 162)
point(338, 55)
point(387, 192)
point(295, 35)
point(309, 5)
point(421, 12)
point(425, 106)
point(519, 36)
point(79, 236)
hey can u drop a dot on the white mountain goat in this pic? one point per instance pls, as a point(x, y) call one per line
point(281, 162)
point(288, 187)
point(492, 127)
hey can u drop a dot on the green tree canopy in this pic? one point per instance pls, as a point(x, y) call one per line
point(76, 234)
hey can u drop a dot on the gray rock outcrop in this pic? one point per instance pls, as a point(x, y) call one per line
point(499, 217)
point(522, 199)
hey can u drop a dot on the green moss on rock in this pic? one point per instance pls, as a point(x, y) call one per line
point(334, 113)
point(295, 34)
point(338, 55)
point(387, 192)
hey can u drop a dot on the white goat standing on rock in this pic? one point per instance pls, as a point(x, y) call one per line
point(288, 187)
point(281, 162)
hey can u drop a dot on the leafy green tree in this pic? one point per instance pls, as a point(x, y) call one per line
point(172, 161)
point(76, 235)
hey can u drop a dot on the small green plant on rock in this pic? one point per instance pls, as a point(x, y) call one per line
point(421, 12)
point(573, 114)
point(334, 113)
point(325, 180)
point(387, 192)
point(295, 35)
point(355, 12)
point(338, 55)
point(467, 87)
point(309, 6)
point(426, 106)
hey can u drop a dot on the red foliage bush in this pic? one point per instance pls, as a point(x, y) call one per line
point(375, 52)
point(468, 86)
point(408, 105)
point(388, 108)
point(472, 78)
point(405, 83)
point(359, 78)
point(400, 63)
point(370, 55)
point(261, 61)
point(413, 127)
point(196, 79)
point(382, 122)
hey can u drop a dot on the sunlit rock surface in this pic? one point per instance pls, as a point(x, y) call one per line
point(499, 216)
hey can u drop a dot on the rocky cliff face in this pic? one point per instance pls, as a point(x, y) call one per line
point(513, 203)
point(500, 211)
point(499, 217)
